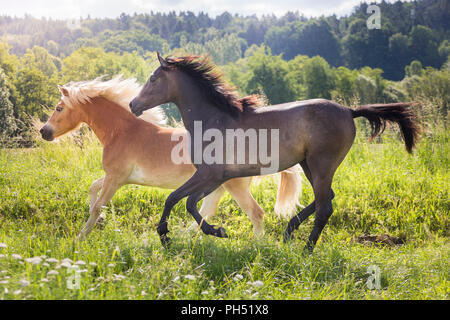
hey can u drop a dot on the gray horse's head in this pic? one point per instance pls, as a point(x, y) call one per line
point(156, 90)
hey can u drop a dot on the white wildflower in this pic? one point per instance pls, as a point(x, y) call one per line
point(93, 264)
point(2, 256)
point(80, 263)
point(52, 272)
point(24, 283)
point(118, 277)
point(257, 283)
point(52, 260)
point(3, 245)
point(17, 292)
point(34, 260)
point(238, 277)
point(189, 277)
point(16, 256)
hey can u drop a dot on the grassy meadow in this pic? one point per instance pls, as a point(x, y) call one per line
point(380, 189)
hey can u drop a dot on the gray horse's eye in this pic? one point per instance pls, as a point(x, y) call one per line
point(152, 78)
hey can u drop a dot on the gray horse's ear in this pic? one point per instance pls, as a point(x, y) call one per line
point(162, 61)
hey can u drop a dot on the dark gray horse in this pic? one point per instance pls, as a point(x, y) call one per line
point(317, 134)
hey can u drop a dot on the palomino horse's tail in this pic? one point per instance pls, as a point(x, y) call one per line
point(290, 184)
point(289, 191)
point(400, 113)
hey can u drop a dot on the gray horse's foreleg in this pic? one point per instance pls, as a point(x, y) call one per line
point(196, 183)
point(191, 206)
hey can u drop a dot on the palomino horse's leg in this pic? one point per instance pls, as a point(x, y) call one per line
point(239, 189)
point(295, 222)
point(109, 188)
point(93, 191)
point(209, 205)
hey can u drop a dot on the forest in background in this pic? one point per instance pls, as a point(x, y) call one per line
point(285, 58)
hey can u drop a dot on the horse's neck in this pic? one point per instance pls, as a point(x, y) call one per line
point(106, 119)
point(193, 106)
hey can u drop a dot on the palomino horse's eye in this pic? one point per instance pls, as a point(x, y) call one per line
point(59, 109)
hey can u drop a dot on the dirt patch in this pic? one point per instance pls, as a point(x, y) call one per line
point(383, 239)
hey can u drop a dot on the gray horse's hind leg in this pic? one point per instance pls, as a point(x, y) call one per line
point(322, 172)
point(323, 213)
point(295, 222)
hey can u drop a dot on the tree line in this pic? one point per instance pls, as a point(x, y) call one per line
point(259, 60)
point(413, 30)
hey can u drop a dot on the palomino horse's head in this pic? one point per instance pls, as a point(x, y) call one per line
point(156, 91)
point(63, 120)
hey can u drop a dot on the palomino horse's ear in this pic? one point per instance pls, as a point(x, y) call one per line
point(162, 61)
point(63, 91)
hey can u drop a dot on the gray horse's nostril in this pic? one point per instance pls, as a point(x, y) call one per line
point(131, 104)
point(42, 130)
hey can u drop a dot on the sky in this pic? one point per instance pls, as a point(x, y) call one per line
point(70, 9)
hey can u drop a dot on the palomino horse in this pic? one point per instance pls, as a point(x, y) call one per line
point(317, 134)
point(139, 152)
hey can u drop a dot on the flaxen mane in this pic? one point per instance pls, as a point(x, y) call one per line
point(118, 90)
point(223, 96)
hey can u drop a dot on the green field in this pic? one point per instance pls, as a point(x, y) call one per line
point(379, 189)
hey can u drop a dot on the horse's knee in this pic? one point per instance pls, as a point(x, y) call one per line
point(93, 188)
point(323, 213)
point(191, 204)
point(171, 201)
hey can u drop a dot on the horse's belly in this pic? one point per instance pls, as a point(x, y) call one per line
point(164, 179)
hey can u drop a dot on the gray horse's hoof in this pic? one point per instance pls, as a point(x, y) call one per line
point(287, 236)
point(222, 233)
point(218, 232)
point(165, 240)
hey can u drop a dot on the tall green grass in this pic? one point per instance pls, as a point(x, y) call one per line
point(379, 189)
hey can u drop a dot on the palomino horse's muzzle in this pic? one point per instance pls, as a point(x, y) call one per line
point(47, 133)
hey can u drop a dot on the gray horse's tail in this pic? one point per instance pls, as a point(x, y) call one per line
point(400, 113)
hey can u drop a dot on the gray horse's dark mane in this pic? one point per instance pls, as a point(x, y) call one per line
point(219, 93)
